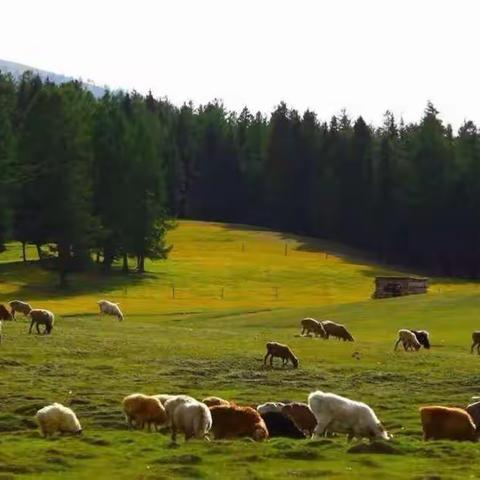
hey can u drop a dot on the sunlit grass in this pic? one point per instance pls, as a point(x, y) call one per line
point(202, 344)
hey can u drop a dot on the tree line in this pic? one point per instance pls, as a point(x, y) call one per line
point(102, 178)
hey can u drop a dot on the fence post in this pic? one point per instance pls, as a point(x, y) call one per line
point(222, 292)
point(286, 248)
point(173, 291)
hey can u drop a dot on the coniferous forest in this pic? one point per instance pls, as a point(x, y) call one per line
point(88, 179)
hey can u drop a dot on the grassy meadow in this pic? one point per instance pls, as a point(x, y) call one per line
point(197, 324)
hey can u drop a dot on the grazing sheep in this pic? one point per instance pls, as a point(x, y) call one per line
point(193, 418)
point(164, 397)
point(270, 407)
point(4, 313)
point(447, 423)
point(275, 349)
point(302, 415)
point(19, 306)
point(336, 330)
point(341, 415)
point(172, 403)
point(311, 325)
point(141, 410)
point(408, 340)
point(57, 418)
point(474, 411)
point(110, 308)
point(281, 425)
point(476, 341)
point(234, 421)
point(212, 401)
point(41, 317)
point(423, 337)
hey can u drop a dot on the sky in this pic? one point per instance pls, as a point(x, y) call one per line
point(366, 56)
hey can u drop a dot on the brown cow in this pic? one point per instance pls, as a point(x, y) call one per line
point(234, 421)
point(447, 423)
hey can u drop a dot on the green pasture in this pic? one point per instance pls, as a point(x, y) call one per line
point(197, 324)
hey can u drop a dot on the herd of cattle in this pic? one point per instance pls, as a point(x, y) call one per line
point(323, 414)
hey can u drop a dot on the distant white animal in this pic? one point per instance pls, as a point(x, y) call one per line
point(172, 403)
point(110, 308)
point(338, 414)
point(57, 418)
point(193, 418)
point(270, 407)
point(408, 340)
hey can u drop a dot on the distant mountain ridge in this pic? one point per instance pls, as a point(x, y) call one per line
point(18, 69)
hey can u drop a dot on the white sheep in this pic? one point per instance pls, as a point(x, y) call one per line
point(172, 403)
point(270, 407)
point(193, 418)
point(110, 308)
point(338, 414)
point(57, 418)
point(408, 339)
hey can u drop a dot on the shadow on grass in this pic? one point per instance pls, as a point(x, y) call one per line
point(352, 255)
point(34, 282)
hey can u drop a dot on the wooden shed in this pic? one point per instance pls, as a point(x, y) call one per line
point(398, 286)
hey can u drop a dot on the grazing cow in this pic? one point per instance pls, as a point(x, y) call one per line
point(57, 418)
point(408, 340)
point(341, 415)
point(423, 337)
point(311, 325)
point(302, 415)
point(336, 330)
point(19, 306)
point(110, 308)
point(476, 341)
point(193, 418)
point(275, 349)
point(281, 425)
point(41, 317)
point(474, 411)
point(234, 421)
point(4, 313)
point(447, 423)
point(141, 410)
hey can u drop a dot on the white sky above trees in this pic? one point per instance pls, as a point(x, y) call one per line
point(363, 55)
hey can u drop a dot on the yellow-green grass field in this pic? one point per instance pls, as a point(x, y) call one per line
point(203, 342)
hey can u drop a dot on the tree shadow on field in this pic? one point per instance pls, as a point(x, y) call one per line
point(33, 282)
point(372, 265)
point(327, 248)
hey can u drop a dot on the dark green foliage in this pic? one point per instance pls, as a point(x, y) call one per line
point(103, 176)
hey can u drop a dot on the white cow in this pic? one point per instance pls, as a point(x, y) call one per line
point(110, 308)
point(341, 415)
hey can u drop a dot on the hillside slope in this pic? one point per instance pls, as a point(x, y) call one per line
point(214, 267)
point(18, 69)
